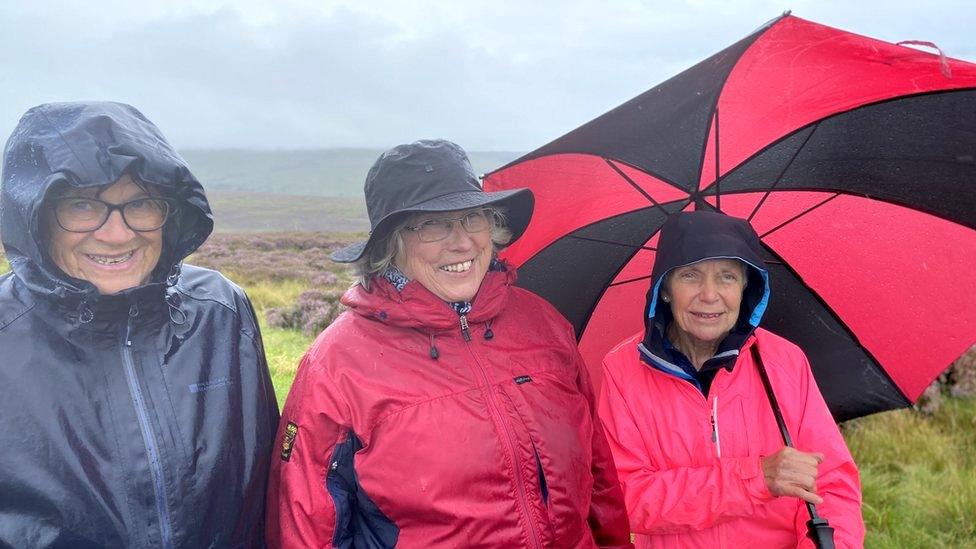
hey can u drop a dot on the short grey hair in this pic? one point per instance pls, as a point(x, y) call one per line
point(379, 255)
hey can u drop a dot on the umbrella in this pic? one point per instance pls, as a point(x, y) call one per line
point(853, 158)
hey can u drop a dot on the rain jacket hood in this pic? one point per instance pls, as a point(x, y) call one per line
point(690, 237)
point(90, 145)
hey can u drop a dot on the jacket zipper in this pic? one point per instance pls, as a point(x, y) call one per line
point(509, 438)
point(465, 333)
point(714, 421)
point(155, 467)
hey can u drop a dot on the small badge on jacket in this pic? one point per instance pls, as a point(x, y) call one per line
point(523, 379)
point(288, 442)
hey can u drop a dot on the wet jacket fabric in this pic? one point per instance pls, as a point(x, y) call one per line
point(140, 419)
point(493, 443)
point(688, 460)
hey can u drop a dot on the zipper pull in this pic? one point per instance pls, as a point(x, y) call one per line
point(464, 328)
point(434, 353)
point(133, 312)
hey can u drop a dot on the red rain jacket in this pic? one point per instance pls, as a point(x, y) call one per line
point(686, 487)
point(495, 443)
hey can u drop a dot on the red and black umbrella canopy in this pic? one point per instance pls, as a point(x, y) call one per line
point(853, 158)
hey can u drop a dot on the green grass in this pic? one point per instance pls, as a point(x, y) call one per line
point(4, 266)
point(284, 349)
point(918, 476)
point(265, 294)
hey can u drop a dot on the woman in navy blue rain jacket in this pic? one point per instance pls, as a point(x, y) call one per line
point(136, 405)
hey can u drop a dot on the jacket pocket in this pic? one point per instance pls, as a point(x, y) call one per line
point(545, 465)
point(359, 522)
point(732, 429)
point(543, 486)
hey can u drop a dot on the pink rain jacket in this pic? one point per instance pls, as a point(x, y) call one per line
point(494, 443)
point(690, 466)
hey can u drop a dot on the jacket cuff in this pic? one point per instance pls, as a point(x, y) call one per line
point(750, 470)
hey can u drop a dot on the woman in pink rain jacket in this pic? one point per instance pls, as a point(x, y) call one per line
point(696, 445)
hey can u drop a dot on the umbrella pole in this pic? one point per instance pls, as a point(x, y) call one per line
point(818, 529)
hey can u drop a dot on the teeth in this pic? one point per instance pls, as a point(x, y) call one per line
point(107, 260)
point(457, 267)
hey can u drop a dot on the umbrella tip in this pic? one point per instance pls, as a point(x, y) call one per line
point(773, 21)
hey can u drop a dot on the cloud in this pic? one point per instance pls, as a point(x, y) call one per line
point(489, 74)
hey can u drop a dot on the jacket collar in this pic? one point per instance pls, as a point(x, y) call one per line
point(416, 307)
point(653, 349)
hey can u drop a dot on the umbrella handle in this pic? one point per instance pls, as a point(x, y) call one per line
point(818, 529)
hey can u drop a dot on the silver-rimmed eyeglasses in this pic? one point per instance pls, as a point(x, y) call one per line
point(81, 215)
point(440, 228)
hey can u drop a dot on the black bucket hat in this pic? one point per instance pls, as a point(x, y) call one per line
point(432, 175)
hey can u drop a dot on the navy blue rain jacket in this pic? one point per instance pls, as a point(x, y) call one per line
point(140, 419)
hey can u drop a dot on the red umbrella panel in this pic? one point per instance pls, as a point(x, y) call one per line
point(853, 158)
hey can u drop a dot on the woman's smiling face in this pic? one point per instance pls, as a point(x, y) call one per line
point(113, 257)
point(451, 268)
point(705, 298)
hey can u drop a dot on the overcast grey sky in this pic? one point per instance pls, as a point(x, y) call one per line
point(491, 75)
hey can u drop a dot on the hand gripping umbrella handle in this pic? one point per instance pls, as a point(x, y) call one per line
point(818, 529)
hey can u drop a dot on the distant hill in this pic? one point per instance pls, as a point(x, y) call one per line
point(320, 172)
point(244, 212)
point(310, 190)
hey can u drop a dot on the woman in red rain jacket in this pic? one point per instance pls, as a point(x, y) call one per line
point(446, 408)
point(697, 448)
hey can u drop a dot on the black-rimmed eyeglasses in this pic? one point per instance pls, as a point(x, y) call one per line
point(82, 215)
point(440, 228)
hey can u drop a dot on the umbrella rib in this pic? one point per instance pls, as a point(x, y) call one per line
point(638, 279)
point(612, 243)
point(718, 174)
point(782, 172)
point(633, 184)
point(799, 215)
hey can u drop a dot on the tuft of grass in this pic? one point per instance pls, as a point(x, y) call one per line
point(284, 349)
point(918, 476)
point(265, 294)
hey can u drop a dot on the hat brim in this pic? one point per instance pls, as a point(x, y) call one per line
point(518, 205)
